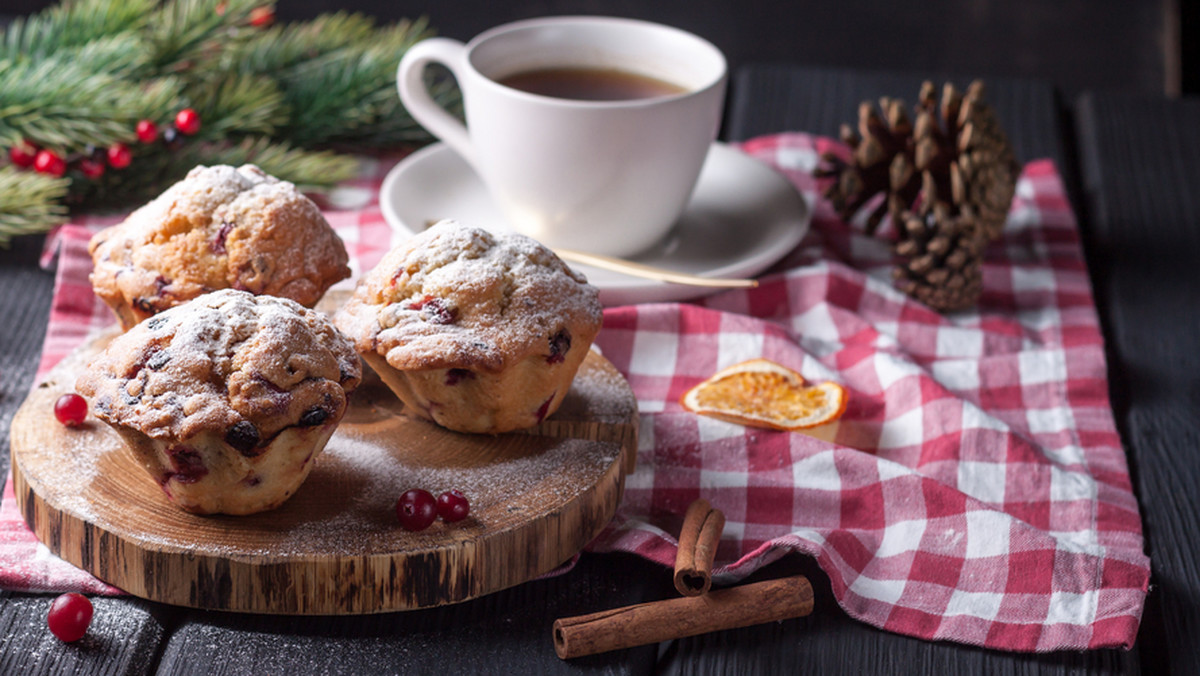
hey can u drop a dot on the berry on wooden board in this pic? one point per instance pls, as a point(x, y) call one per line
point(71, 409)
point(416, 509)
point(453, 506)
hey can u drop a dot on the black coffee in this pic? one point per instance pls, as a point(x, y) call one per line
point(590, 84)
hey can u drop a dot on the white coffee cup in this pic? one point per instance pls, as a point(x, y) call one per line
point(606, 177)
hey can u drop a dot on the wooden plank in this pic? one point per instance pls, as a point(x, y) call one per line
point(125, 637)
point(25, 292)
point(505, 633)
point(1141, 174)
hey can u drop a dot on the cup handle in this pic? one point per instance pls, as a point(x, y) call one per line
point(410, 82)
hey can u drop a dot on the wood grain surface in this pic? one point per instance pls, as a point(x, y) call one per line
point(335, 547)
point(1140, 159)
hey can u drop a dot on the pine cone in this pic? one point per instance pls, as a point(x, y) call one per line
point(942, 253)
point(879, 162)
point(961, 146)
point(948, 177)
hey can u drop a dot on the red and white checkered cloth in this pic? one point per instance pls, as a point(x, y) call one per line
point(975, 490)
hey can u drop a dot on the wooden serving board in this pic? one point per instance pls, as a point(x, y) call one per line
point(335, 547)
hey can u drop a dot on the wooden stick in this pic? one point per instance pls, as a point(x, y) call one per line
point(730, 608)
point(648, 272)
point(698, 539)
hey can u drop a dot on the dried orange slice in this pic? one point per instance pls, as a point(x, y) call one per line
point(763, 393)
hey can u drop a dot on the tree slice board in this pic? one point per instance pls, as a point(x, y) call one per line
point(537, 497)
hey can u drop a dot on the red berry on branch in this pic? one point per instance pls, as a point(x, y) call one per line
point(48, 162)
point(119, 156)
point(91, 168)
point(147, 131)
point(69, 616)
point(187, 121)
point(23, 154)
point(261, 17)
point(71, 409)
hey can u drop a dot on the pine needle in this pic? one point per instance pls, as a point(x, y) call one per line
point(29, 203)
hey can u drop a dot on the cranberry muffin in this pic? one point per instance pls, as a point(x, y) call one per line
point(220, 227)
point(226, 399)
point(476, 332)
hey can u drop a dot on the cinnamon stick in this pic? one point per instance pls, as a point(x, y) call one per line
point(698, 539)
point(730, 608)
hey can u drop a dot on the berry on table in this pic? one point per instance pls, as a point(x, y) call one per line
point(416, 509)
point(119, 156)
point(187, 121)
point(71, 409)
point(22, 154)
point(147, 131)
point(453, 506)
point(48, 162)
point(69, 616)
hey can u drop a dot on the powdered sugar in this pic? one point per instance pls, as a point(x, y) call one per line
point(503, 489)
point(501, 298)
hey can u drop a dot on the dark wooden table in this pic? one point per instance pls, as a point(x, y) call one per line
point(1132, 165)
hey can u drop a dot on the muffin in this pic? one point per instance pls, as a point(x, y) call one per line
point(226, 399)
point(475, 332)
point(219, 228)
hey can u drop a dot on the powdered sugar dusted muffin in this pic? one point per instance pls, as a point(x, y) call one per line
point(476, 332)
point(227, 399)
point(221, 227)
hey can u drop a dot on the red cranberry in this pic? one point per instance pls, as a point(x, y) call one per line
point(261, 17)
point(187, 121)
point(71, 409)
point(456, 376)
point(119, 156)
point(416, 509)
point(22, 154)
point(434, 310)
point(147, 131)
point(218, 244)
point(69, 616)
point(453, 506)
point(48, 162)
point(93, 169)
point(560, 344)
point(187, 463)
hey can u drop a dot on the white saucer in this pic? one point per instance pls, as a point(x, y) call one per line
point(743, 217)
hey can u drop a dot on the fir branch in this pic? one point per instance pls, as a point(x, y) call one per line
point(239, 105)
point(73, 24)
point(123, 55)
point(279, 49)
point(186, 32)
point(29, 203)
point(59, 103)
point(349, 94)
point(308, 169)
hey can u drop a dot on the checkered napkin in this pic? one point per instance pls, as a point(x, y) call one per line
point(975, 489)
